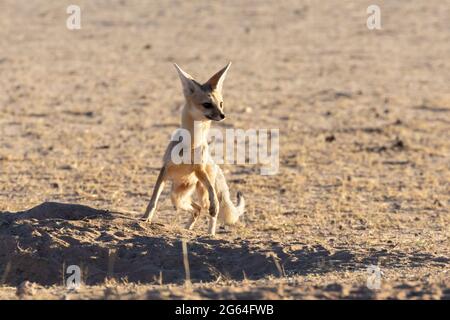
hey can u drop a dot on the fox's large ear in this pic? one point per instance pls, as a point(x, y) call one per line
point(216, 81)
point(189, 84)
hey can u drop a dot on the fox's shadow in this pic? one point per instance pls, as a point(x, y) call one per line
point(38, 244)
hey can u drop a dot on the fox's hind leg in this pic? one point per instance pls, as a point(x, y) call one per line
point(195, 213)
point(182, 199)
point(202, 195)
point(203, 203)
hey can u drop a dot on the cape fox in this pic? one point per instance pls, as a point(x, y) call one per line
point(204, 103)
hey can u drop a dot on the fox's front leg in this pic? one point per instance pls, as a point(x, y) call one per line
point(159, 186)
point(203, 177)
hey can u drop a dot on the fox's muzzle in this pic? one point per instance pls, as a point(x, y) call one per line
point(216, 116)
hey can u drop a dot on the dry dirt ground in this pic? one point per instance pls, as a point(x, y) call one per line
point(364, 177)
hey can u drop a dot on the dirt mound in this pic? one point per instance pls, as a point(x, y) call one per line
point(40, 243)
point(54, 210)
point(37, 245)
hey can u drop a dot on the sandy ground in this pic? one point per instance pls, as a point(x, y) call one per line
point(364, 119)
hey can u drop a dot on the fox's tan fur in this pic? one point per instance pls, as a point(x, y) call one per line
point(205, 179)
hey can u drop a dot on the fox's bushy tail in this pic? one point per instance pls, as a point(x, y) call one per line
point(228, 212)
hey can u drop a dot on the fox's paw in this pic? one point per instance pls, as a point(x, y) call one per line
point(148, 215)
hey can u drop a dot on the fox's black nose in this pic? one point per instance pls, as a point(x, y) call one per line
point(222, 116)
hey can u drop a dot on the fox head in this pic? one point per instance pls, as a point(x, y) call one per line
point(204, 101)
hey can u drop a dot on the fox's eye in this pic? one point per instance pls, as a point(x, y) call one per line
point(221, 104)
point(207, 105)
